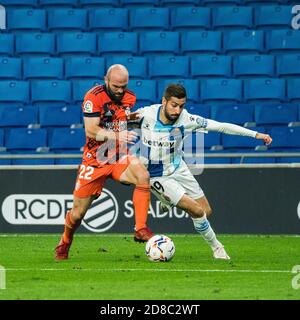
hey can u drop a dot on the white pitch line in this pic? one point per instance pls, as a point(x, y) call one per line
point(150, 270)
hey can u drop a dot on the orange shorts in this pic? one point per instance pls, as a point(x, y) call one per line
point(90, 179)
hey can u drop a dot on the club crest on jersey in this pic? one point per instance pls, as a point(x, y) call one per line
point(88, 106)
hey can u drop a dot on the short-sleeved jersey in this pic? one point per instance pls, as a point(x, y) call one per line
point(113, 116)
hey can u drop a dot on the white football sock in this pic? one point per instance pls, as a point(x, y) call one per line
point(203, 227)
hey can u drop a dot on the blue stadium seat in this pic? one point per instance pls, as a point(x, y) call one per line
point(238, 114)
point(190, 18)
point(42, 44)
point(99, 3)
point(221, 91)
point(246, 66)
point(232, 18)
point(67, 138)
point(58, 3)
point(14, 93)
point(37, 161)
point(43, 68)
point(167, 67)
point(191, 87)
point(118, 43)
point(51, 92)
point(82, 67)
point(253, 159)
point(212, 139)
point(282, 41)
point(201, 42)
point(288, 160)
point(202, 110)
point(276, 114)
point(139, 3)
point(59, 116)
point(243, 42)
point(234, 141)
point(73, 161)
point(81, 87)
point(67, 20)
point(217, 3)
point(20, 3)
point(178, 3)
point(264, 90)
point(261, 2)
point(156, 42)
point(10, 68)
point(206, 66)
point(22, 138)
point(137, 66)
point(11, 116)
point(272, 17)
point(285, 137)
point(149, 18)
point(1, 138)
point(145, 91)
point(7, 44)
point(293, 91)
point(26, 20)
point(75, 43)
point(4, 162)
point(288, 65)
point(108, 19)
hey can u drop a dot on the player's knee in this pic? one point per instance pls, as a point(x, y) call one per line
point(197, 212)
point(143, 176)
point(78, 212)
point(208, 212)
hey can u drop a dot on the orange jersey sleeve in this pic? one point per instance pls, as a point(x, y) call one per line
point(92, 104)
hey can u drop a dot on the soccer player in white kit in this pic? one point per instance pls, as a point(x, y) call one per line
point(161, 150)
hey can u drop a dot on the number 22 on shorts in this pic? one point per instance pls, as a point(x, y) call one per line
point(86, 172)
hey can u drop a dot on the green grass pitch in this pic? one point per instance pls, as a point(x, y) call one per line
point(114, 267)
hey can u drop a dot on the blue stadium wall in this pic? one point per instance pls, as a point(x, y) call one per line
point(244, 200)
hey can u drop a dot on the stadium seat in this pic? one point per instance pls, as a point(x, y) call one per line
point(276, 114)
point(232, 18)
point(260, 2)
point(1, 137)
point(51, 92)
point(212, 139)
point(243, 42)
point(149, 18)
point(288, 65)
point(288, 160)
point(217, 3)
point(43, 68)
point(137, 66)
point(58, 3)
point(23, 138)
point(177, 3)
point(42, 44)
point(139, 3)
point(282, 41)
point(285, 137)
point(190, 18)
point(156, 42)
point(293, 91)
point(99, 3)
point(81, 87)
point(191, 87)
point(145, 91)
point(246, 66)
point(221, 91)
point(67, 138)
point(59, 115)
point(203, 42)
point(202, 110)
point(238, 114)
point(4, 162)
point(167, 67)
point(75, 43)
point(208, 66)
point(118, 43)
point(14, 93)
point(7, 44)
point(272, 17)
point(10, 68)
point(108, 19)
point(264, 90)
point(81, 67)
point(13, 116)
point(26, 20)
point(19, 3)
point(67, 20)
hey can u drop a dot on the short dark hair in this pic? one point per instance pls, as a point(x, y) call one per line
point(175, 90)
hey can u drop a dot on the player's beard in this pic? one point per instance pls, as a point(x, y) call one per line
point(114, 97)
point(170, 117)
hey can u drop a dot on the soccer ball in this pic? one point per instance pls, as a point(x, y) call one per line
point(160, 248)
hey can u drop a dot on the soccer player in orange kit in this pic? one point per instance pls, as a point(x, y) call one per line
point(106, 109)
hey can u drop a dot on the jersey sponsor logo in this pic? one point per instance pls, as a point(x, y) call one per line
point(88, 107)
point(161, 144)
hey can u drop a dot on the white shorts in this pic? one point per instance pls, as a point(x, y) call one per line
point(170, 189)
